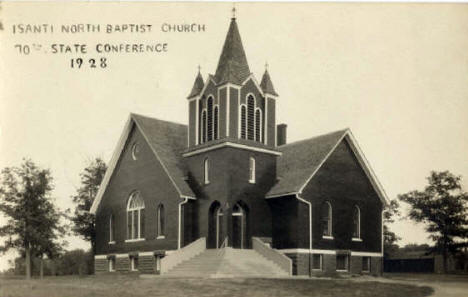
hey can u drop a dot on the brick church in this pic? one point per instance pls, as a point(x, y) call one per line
point(227, 195)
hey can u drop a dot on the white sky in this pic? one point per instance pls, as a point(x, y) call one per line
point(396, 74)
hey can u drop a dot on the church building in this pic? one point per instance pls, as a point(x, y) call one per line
point(228, 187)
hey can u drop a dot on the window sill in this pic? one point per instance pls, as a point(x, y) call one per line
point(328, 237)
point(112, 270)
point(251, 181)
point(341, 270)
point(161, 237)
point(356, 239)
point(111, 242)
point(316, 269)
point(134, 240)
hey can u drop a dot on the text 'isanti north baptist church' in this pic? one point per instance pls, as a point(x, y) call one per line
point(226, 195)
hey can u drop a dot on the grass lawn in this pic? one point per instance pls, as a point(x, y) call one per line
point(132, 286)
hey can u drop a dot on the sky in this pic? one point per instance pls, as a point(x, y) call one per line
point(395, 74)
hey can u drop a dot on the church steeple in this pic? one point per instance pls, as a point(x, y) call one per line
point(232, 65)
point(197, 85)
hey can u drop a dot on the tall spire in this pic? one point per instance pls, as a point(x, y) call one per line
point(232, 65)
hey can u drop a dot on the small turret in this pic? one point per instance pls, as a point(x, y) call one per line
point(197, 85)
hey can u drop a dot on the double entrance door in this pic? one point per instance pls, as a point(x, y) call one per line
point(227, 227)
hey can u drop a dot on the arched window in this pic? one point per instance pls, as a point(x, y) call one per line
point(243, 122)
point(252, 170)
point(250, 117)
point(210, 119)
point(203, 127)
point(327, 219)
point(111, 229)
point(161, 221)
point(258, 125)
point(215, 123)
point(206, 171)
point(135, 216)
point(356, 222)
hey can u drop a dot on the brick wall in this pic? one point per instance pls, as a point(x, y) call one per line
point(376, 266)
point(147, 264)
point(300, 263)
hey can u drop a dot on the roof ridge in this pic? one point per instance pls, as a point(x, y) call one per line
point(313, 137)
point(157, 119)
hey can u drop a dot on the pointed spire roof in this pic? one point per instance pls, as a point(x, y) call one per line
point(197, 85)
point(232, 65)
point(266, 84)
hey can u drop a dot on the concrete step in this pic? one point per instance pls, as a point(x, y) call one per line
point(227, 262)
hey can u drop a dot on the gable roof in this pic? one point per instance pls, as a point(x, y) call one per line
point(301, 160)
point(167, 140)
point(232, 66)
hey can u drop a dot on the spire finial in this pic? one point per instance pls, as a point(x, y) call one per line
point(199, 68)
point(266, 66)
point(233, 11)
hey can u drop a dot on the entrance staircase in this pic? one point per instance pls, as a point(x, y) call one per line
point(227, 262)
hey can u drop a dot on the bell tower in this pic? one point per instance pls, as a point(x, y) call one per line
point(230, 106)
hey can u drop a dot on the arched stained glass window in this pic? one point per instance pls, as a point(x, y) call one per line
point(135, 216)
point(327, 219)
point(203, 127)
point(258, 125)
point(161, 221)
point(356, 222)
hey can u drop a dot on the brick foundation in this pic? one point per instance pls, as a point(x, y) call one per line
point(301, 265)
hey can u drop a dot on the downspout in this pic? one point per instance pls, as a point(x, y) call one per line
point(180, 223)
point(310, 228)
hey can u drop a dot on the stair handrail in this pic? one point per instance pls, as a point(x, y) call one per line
point(225, 243)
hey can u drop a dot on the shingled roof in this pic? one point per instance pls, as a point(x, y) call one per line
point(232, 65)
point(267, 85)
point(197, 86)
point(167, 140)
point(300, 160)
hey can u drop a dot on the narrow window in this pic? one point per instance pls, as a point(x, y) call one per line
point(317, 262)
point(356, 222)
point(327, 219)
point(250, 117)
point(252, 170)
point(366, 264)
point(243, 122)
point(135, 151)
point(161, 221)
point(210, 119)
point(135, 216)
point(215, 123)
point(258, 125)
point(342, 262)
point(203, 126)
point(158, 263)
point(133, 263)
point(111, 229)
point(111, 264)
point(206, 166)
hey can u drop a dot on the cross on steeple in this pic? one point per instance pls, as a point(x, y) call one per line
point(199, 68)
point(266, 66)
point(234, 10)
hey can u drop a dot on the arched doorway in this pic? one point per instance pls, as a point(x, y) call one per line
point(239, 226)
point(215, 226)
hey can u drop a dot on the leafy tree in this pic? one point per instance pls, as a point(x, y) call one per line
point(33, 222)
point(390, 238)
point(83, 220)
point(443, 207)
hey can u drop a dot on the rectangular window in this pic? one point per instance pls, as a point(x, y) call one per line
point(111, 264)
point(366, 261)
point(342, 262)
point(317, 262)
point(133, 263)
